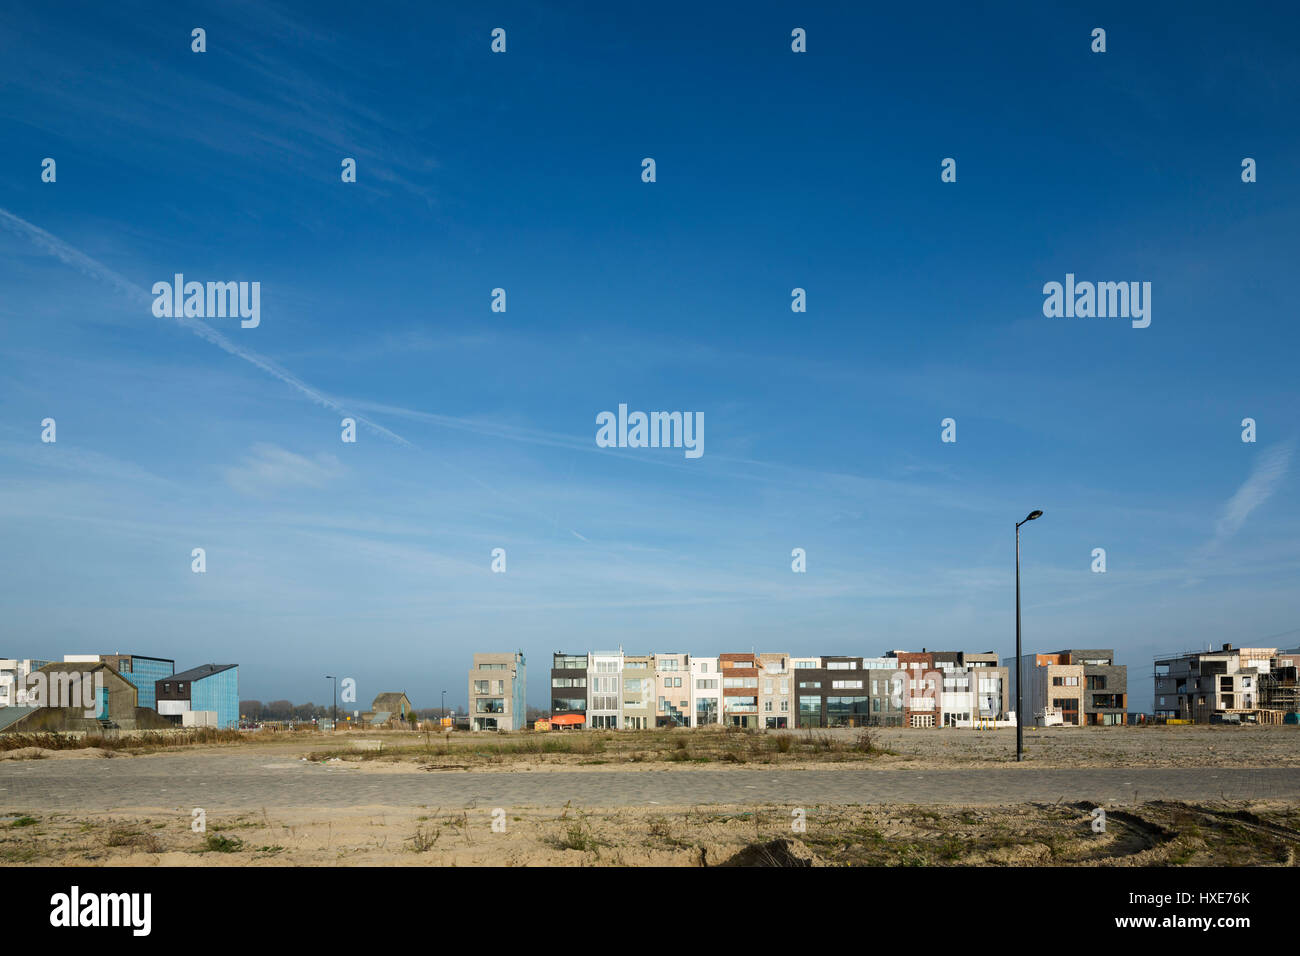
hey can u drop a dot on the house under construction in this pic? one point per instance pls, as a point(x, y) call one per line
point(1258, 683)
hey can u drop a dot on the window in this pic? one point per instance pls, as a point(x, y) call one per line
point(767, 687)
point(841, 665)
point(480, 687)
point(810, 684)
point(785, 686)
point(846, 685)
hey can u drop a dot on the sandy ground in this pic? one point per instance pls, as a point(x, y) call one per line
point(261, 827)
point(1155, 834)
point(1168, 746)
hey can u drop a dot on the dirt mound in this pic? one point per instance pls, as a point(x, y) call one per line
point(25, 753)
point(782, 852)
point(44, 753)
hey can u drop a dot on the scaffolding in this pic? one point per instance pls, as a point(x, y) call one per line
point(1279, 690)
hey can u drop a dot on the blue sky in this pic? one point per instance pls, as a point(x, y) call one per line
point(775, 170)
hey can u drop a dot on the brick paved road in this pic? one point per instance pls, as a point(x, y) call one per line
point(229, 781)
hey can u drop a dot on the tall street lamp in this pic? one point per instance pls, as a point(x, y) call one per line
point(335, 725)
point(444, 704)
point(1020, 682)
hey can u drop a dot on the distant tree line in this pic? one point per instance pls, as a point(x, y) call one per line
point(288, 710)
point(282, 710)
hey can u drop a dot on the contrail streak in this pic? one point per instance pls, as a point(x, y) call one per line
point(97, 270)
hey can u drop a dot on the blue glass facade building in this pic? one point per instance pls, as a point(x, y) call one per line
point(143, 672)
point(213, 687)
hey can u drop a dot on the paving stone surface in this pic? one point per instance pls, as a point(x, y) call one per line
point(250, 781)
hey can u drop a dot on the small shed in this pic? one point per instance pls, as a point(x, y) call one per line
point(389, 707)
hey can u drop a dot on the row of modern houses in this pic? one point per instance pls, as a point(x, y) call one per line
point(130, 692)
point(1080, 687)
point(772, 691)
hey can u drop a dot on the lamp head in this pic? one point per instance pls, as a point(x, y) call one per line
point(1033, 514)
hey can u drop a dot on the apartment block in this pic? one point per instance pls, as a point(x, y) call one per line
point(1054, 689)
point(974, 687)
point(672, 690)
point(13, 679)
point(569, 688)
point(885, 688)
point(920, 688)
point(604, 689)
point(739, 690)
point(774, 691)
point(834, 694)
point(638, 692)
point(1105, 686)
point(498, 692)
point(706, 691)
point(1199, 684)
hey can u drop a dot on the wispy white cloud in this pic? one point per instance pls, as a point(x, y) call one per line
point(84, 462)
point(271, 468)
point(1264, 480)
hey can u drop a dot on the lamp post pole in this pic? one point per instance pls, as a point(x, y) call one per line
point(334, 725)
point(1020, 683)
point(444, 704)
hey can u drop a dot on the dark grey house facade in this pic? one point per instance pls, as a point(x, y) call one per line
point(568, 684)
